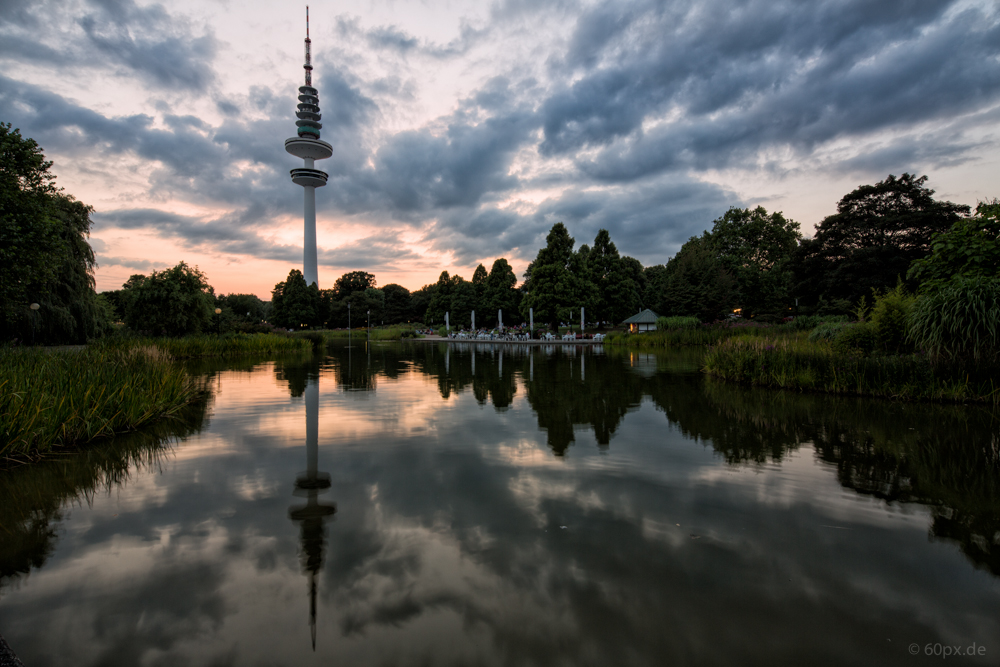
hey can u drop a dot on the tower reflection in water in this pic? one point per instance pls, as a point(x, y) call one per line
point(312, 516)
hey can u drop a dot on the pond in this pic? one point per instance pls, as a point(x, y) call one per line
point(458, 504)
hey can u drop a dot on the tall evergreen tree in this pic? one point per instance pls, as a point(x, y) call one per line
point(552, 288)
point(295, 304)
point(500, 293)
point(440, 302)
point(479, 282)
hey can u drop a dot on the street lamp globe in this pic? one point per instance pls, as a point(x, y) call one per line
point(34, 306)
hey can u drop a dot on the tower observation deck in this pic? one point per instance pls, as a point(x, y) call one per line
point(307, 145)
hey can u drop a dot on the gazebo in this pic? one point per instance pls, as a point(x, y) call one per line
point(644, 321)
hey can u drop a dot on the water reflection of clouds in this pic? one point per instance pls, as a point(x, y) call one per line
point(449, 547)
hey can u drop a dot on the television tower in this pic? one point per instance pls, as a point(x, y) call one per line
point(308, 147)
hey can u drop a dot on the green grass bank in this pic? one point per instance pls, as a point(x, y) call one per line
point(815, 365)
point(51, 399)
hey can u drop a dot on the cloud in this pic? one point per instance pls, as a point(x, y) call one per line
point(722, 85)
point(149, 43)
point(610, 116)
point(143, 265)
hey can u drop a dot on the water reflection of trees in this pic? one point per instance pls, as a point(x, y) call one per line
point(566, 386)
point(33, 497)
point(946, 457)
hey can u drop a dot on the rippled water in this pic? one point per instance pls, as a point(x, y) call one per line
point(427, 504)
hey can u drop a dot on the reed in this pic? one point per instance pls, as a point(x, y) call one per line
point(704, 334)
point(225, 346)
point(56, 399)
point(392, 332)
point(805, 365)
point(961, 320)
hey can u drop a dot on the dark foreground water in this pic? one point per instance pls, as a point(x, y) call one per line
point(425, 505)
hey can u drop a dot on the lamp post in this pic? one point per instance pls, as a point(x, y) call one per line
point(34, 307)
point(369, 326)
point(218, 321)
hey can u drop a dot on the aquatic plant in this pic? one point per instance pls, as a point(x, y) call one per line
point(960, 320)
point(817, 366)
point(60, 398)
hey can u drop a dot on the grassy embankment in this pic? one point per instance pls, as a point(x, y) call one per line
point(806, 365)
point(225, 346)
point(52, 399)
point(684, 331)
point(392, 332)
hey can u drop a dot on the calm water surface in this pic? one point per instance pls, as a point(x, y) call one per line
point(427, 504)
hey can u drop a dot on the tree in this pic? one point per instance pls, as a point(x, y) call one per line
point(352, 283)
point(877, 232)
point(479, 282)
point(397, 304)
point(694, 283)
point(463, 302)
point(172, 302)
point(499, 293)
point(44, 253)
point(440, 301)
point(295, 304)
point(971, 249)
point(755, 248)
point(420, 300)
point(552, 289)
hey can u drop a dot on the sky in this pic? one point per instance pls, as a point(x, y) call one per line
point(463, 130)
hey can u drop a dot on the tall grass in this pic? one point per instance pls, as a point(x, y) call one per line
point(815, 366)
point(678, 322)
point(959, 320)
point(392, 332)
point(50, 399)
point(704, 334)
point(224, 346)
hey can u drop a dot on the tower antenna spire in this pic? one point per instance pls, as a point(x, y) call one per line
point(308, 66)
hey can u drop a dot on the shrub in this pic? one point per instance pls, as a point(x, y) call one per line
point(855, 338)
point(828, 330)
point(809, 322)
point(959, 320)
point(678, 322)
point(890, 317)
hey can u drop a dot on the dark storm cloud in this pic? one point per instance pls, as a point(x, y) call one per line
point(229, 234)
point(649, 222)
point(146, 41)
point(745, 78)
point(619, 120)
point(392, 38)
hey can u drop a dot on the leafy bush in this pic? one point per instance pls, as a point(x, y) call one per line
point(890, 317)
point(677, 322)
point(960, 320)
point(856, 338)
point(828, 330)
point(809, 322)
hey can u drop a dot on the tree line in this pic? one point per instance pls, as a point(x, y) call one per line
point(751, 262)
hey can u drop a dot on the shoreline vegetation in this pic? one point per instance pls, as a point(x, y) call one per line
point(57, 399)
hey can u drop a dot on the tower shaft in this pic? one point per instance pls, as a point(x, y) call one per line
point(310, 262)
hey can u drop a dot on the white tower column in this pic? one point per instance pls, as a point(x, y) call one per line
point(309, 260)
